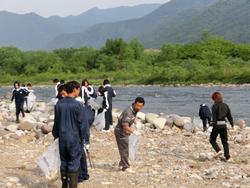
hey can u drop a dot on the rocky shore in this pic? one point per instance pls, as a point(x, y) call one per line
point(173, 152)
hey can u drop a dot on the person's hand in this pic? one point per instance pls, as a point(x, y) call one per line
point(104, 110)
point(137, 133)
point(86, 146)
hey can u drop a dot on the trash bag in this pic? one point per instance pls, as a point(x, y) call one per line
point(31, 102)
point(99, 122)
point(49, 162)
point(133, 141)
point(197, 123)
point(94, 104)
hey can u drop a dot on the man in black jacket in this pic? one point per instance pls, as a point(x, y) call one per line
point(69, 123)
point(205, 115)
point(220, 111)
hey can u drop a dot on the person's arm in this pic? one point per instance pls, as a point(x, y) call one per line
point(200, 112)
point(229, 117)
point(214, 118)
point(13, 96)
point(114, 93)
point(127, 129)
point(90, 90)
point(55, 130)
point(106, 100)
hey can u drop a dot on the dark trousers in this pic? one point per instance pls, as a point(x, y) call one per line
point(83, 172)
point(108, 119)
point(224, 139)
point(70, 155)
point(19, 108)
point(205, 121)
point(122, 143)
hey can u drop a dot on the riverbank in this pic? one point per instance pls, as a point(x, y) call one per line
point(170, 153)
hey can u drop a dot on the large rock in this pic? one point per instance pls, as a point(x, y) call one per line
point(238, 138)
point(159, 123)
point(178, 121)
point(169, 122)
point(150, 117)
point(241, 123)
point(46, 129)
point(26, 125)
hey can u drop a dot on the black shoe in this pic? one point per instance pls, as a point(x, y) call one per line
point(64, 179)
point(80, 180)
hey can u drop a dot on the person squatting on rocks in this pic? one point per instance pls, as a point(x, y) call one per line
point(108, 94)
point(205, 115)
point(19, 95)
point(123, 130)
point(220, 111)
point(69, 123)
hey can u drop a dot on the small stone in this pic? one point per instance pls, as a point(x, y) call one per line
point(13, 179)
point(46, 129)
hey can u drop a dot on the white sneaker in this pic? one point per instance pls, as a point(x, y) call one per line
point(105, 131)
point(230, 160)
point(218, 154)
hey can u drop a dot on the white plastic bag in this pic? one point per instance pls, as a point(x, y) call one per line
point(197, 123)
point(133, 141)
point(49, 162)
point(99, 121)
point(31, 102)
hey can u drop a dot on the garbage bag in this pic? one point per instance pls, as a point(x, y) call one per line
point(133, 141)
point(99, 122)
point(49, 162)
point(197, 123)
point(31, 102)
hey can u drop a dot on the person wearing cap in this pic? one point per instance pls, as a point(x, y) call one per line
point(220, 112)
point(124, 129)
point(205, 115)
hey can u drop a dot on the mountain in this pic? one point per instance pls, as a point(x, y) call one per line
point(227, 18)
point(135, 28)
point(177, 21)
point(32, 32)
point(96, 16)
point(28, 30)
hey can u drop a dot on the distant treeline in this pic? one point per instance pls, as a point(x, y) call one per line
point(210, 60)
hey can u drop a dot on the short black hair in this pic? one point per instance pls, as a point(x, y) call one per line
point(105, 82)
point(70, 86)
point(29, 84)
point(55, 80)
point(61, 88)
point(140, 100)
point(62, 81)
point(16, 82)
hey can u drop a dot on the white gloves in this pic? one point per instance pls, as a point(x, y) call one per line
point(86, 146)
point(104, 110)
point(137, 133)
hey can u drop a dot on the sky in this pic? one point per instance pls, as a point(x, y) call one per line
point(48, 8)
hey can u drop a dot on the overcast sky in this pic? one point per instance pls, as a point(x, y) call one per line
point(65, 7)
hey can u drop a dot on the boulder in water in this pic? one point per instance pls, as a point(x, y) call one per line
point(150, 117)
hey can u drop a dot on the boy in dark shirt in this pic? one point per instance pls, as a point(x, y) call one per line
point(19, 95)
point(205, 115)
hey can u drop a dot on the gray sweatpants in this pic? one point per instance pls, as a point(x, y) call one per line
point(122, 143)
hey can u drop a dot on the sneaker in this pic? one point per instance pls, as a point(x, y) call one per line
point(230, 160)
point(218, 154)
point(105, 131)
